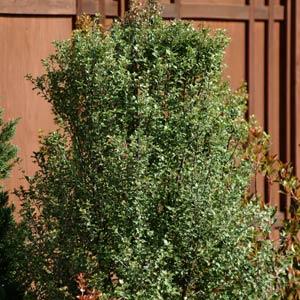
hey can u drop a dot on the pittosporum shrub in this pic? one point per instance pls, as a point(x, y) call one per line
point(142, 186)
point(9, 289)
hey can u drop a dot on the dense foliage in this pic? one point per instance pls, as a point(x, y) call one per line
point(141, 188)
point(8, 288)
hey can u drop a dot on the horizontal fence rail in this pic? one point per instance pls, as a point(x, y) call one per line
point(187, 11)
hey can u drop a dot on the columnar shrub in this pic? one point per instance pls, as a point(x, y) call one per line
point(141, 188)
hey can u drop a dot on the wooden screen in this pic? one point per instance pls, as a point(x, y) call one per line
point(263, 52)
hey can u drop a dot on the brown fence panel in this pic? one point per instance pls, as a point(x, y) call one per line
point(263, 52)
point(24, 42)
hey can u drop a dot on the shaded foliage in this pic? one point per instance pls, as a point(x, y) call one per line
point(9, 289)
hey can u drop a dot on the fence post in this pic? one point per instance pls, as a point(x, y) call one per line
point(78, 7)
point(251, 56)
point(122, 7)
point(270, 104)
point(178, 8)
point(295, 82)
point(90, 7)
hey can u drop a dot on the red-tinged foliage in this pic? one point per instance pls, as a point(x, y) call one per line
point(278, 172)
point(86, 294)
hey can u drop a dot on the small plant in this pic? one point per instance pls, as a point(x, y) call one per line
point(146, 175)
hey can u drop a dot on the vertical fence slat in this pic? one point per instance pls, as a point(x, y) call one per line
point(288, 98)
point(78, 7)
point(251, 56)
point(270, 62)
point(296, 83)
point(101, 9)
point(257, 182)
point(271, 100)
point(288, 78)
point(178, 8)
point(273, 103)
point(260, 89)
point(269, 49)
point(121, 8)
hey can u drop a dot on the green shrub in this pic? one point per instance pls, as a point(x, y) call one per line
point(141, 188)
point(8, 288)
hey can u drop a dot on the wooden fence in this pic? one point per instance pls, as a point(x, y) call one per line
point(264, 52)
